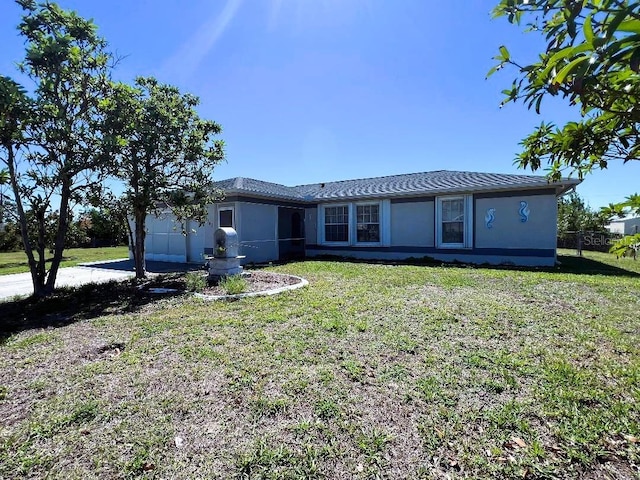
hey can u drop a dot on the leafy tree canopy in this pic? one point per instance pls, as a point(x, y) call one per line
point(52, 144)
point(630, 244)
point(166, 154)
point(591, 59)
point(576, 216)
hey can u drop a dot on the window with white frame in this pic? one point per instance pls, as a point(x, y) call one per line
point(368, 223)
point(225, 217)
point(454, 221)
point(336, 223)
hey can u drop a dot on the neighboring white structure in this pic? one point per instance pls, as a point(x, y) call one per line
point(625, 226)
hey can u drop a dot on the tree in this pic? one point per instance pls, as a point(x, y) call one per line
point(14, 113)
point(105, 226)
point(4, 199)
point(166, 155)
point(9, 233)
point(10, 237)
point(592, 59)
point(61, 126)
point(575, 216)
point(630, 244)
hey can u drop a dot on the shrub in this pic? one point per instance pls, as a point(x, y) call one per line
point(195, 282)
point(233, 284)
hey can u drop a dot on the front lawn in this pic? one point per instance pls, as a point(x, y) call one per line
point(16, 262)
point(373, 371)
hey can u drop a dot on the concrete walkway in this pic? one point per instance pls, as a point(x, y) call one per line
point(99, 272)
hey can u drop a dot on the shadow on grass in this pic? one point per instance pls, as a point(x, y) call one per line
point(567, 264)
point(588, 266)
point(71, 304)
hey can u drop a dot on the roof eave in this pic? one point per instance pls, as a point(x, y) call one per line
point(263, 195)
point(560, 187)
point(565, 185)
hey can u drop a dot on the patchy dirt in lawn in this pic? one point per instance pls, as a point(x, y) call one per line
point(257, 281)
point(375, 372)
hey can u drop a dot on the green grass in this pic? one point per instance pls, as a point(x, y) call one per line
point(606, 259)
point(16, 262)
point(373, 371)
point(233, 284)
point(195, 281)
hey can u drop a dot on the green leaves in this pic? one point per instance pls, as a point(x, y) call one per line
point(57, 134)
point(588, 30)
point(569, 69)
point(626, 246)
point(613, 25)
point(78, 122)
point(14, 112)
point(631, 26)
point(504, 54)
point(165, 153)
point(574, 216)
point(591, 59)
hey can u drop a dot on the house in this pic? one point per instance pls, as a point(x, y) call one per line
point(625, 226)
point(446, 215)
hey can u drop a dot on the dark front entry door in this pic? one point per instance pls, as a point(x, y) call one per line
point(290, 233)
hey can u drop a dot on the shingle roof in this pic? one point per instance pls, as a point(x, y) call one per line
point(426, 183)
point(251, 185)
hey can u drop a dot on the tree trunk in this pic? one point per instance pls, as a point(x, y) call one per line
point(132, 242)
point(138, 247)
point(63, 225)
point(36, 279)
point(41, 249)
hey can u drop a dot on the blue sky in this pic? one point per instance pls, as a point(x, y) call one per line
point(320, 90)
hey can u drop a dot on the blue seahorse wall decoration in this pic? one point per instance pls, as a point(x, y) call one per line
point(524, 211)
point(490, 217)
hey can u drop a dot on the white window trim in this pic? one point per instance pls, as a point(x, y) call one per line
point(323, 225)
point(233, 216)
point(468, 222)
point(384, 215)
point(355, 224)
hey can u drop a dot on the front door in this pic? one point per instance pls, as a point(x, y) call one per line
point(290, 233)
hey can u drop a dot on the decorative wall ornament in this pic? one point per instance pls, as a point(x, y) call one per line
point(490, 217)
point(524, 211)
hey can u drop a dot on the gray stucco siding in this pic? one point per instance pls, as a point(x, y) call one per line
point(257, 225)
point(311, 225)
point(412, 224)
point(492, 256)
point(508, 230)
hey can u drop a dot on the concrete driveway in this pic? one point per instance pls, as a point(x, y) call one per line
point(99, 272)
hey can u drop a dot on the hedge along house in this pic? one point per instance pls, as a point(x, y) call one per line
point(450, 216)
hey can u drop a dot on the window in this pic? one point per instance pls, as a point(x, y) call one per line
point(225, 217)
point(365, 224)
point(454, 222)
point(368, 223)
point(336, 224)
